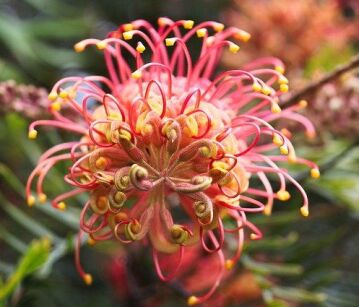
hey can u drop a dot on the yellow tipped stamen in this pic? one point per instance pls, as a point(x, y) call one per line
point(127, 35)
point(229, 264)
point(234, 48)
point(136, 74)
point(283, 80)
point(280, 69)
point(128, 27)
point(277, 140)
point(256, 87)
point(32, 134)
point(276, 108)
point(56, 106)
point(311, 134)
point(192, 300)
point(91, 242)
point(188, 24)
point(64, 94)
point(201, 32)
point(242, 35)
point(283, 150)
point(61, 206)
point(218, 27)
point(254, 236)
point(315, 173)
point(52, 96)
point(303, 104)
point(170, 41)
point(162, 21)
point(266, 90)
point(284, 88)
point(304, 211)
point(42, 198)
point(267, 210)
point(30, 201)
point(88, 279)
point(101, 45)
point(79, 47)
point(283, 195)
point(140, 47)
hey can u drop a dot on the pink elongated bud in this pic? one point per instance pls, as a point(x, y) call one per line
point(206, 148)
point(198, 184)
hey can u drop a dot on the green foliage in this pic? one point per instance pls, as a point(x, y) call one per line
point(35, 256)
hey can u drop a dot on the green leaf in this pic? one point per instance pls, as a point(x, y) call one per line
point(298, 295)
point(35, 256)
point(271, 268)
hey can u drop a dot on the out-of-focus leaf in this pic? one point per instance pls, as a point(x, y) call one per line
point(35, 256)
point(271, 268)
point(298, 295)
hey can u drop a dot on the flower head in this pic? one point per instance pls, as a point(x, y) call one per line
point(166, 150)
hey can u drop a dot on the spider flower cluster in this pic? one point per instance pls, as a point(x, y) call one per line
point(166, 150)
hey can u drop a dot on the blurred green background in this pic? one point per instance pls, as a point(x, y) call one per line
point(300, 262)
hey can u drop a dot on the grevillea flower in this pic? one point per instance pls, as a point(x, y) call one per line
point(28, 100)
point(291, 24)
point(166, 150)
point(336, 107)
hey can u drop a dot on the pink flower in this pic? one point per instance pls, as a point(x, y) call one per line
point(166, 150)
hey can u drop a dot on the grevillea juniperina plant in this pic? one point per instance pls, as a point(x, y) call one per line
point(166, 149)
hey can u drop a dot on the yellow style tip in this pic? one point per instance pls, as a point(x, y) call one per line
point(283, 195)
point(137, 74)
point(64, 94)
point(79, 47)
point(304, 211)
point(91, 242)
point(188, 24)
point(88, 279)
point(279, 69)
point(234, 48)
point(242, 36)
point(201, 32)
point(61, 206)
point(218, 27)
point(229, 264)
point(170, 41)
point(30, 201)
point(266, 90)
point(276, 108)
point(192, 300)
point(267, 210)
point(254, 236)
point(128, 27)
point(127, 35)
point(283, 150)
point(52, 96)
point(42, 198)
point(56, 106)
point(283, 80)
point(315, 173)
point(303, 104)
point(101, 45)
point(256, 87)
point(32, 134)
point(284, 88)
point(140, 47)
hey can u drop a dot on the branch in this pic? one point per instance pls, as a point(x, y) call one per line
point(314, 86)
